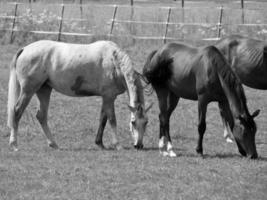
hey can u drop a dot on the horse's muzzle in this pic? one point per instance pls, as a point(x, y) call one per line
point(139, 146)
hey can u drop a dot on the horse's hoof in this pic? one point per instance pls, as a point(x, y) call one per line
point(172, 154)
point(53, 145)
point(199, 151)
point(100, 145)
point(229, 140)
point(168, 153)
point(164, 153)
point(14, 145)
point(118, 147)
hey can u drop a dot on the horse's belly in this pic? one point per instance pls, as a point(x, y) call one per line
point(92, 84)
point(75, 86)
point(252, 78)
point(184, 90)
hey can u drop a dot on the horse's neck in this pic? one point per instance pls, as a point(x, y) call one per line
point(133, 83)
point(134, 87)
point(235, 99)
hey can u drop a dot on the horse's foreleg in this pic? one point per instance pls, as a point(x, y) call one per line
point(110, 112)
point(202, 110)
point(19, 108)
point(43, 95)
point(102, 124)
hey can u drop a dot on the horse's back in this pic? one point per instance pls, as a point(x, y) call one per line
point(72, 69)
point(181, 80)
point(194, 71)
point(249, 56)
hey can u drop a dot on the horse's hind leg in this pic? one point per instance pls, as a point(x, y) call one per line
point(43, 95)
point(102, 124)
point(172, 102)
point(167, 103)
point(22, 102)
point(202, 110)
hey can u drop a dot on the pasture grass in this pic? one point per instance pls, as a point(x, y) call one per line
point(79, 170)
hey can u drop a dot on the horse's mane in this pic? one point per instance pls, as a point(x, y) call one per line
point(225, 72)
point(139, 87)
point(131, 77)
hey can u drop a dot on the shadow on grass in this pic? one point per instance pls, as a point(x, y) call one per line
point(222, 155)
point(78, 149)
point(262, 159)
point(178, 151)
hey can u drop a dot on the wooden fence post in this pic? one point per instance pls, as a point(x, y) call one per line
point(113, 20)
point(220, 22)
point(243, 14)
point(60, 23)
point(132, 2)
point(81, 8)
point(167, 25)
point(183, 11)
point(132, 25)
point(14, 22)
point(81, 11)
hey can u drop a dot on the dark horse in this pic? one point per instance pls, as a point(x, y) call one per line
point(249, 62)
point(202, 74)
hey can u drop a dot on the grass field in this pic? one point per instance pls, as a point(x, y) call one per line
point(79, 170)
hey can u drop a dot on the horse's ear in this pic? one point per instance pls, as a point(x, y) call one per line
point(256, 113)
point(132, 109)
point(149, 107)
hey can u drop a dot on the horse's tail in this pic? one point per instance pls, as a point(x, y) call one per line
point(156, 69)
point(147, 69)
point(13, 90)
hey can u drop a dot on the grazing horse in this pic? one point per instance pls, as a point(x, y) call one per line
point(97, 69)
point(248, 58)
point(180, 71)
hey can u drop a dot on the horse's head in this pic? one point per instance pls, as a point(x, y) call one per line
point(138, 124)
point(244, 131)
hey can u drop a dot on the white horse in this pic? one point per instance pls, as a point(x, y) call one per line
point(97, 69)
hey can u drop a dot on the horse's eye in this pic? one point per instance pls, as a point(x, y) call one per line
point(133, 123)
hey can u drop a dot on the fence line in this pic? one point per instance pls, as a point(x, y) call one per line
point(114, 20)
point(131, 2)
point(140, 6)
